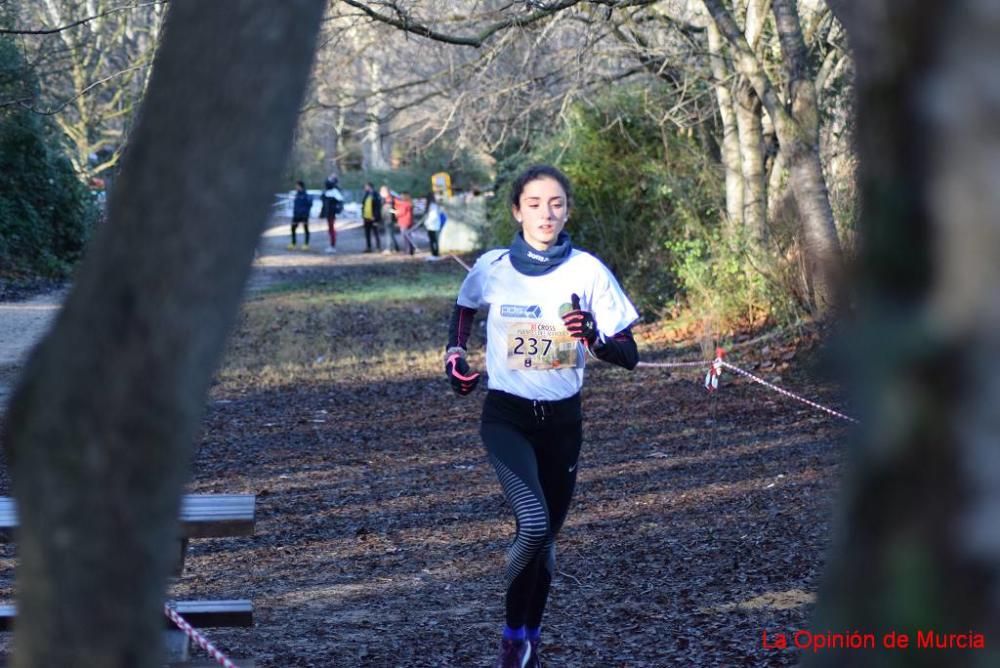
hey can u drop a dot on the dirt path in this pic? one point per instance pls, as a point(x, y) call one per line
point(23, 323)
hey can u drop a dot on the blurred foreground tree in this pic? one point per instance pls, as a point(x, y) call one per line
point(99, 430)
point(918, 545)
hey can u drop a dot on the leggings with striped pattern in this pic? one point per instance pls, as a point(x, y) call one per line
point(534, 447)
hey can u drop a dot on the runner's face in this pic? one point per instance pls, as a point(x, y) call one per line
point(542, 211)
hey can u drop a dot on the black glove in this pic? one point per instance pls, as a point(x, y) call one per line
point(580, 324)
point(463, 381)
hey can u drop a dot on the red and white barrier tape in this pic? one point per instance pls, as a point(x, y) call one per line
point(671, 365)
point(459, 260)
point(715, 372)
point(783, 392)
point(202, 641)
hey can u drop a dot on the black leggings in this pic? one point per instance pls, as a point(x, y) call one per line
point(534, 447)
point(305, 227)
point(371, 231)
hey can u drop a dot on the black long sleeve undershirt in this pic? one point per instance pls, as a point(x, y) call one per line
point(461, 326)
point(619, 349)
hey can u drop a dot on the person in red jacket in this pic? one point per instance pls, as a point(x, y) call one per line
point(404, 218)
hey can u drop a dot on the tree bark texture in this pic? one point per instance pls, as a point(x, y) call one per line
point(918, 538)
point(100, 428)
point(751, 132)
point(821, 245)
point(730, 136)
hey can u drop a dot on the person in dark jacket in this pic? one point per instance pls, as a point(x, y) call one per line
point(371, 213)
point(301, 206)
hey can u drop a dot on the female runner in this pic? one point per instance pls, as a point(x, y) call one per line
point(549, 304)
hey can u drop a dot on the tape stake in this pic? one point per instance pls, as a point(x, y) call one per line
point(714, 372)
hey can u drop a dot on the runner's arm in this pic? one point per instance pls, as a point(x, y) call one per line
point(619, 349)
point(461, 326)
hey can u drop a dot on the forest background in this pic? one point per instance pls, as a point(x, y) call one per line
point(709, 144)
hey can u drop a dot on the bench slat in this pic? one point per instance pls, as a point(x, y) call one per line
point(234, 613)
point(202, 515)
point(208, 663)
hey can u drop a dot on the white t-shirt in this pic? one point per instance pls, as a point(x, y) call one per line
point(529, 353)
point(432, 220)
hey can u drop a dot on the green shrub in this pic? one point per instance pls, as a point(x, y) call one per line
point(45, 211)
point(635, 189)
point(648, 200)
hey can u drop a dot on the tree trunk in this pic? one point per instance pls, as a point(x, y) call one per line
point(750, 124)
point(778, 193)
point(819, 229)
point(918, 546)
point(748, 120)
point(99, 431)
point(721, 73)
point(821, 247)
point(374, 153)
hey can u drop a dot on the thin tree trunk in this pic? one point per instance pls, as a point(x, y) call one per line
point(374, 154)
point(730, 136)
point(819, 235)
point(918, 546)
point(99, 431)
point(778, 191)
point(748, 121)
point(756, 16)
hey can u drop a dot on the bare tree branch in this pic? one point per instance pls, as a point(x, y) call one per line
point(74, 24)
point(403, 21)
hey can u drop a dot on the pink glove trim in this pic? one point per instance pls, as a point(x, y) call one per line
point(454, 368)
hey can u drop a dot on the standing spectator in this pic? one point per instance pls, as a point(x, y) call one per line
point(388, 218)
point(333, 203)
point(301, 206)
point(432, 223)
point(371, 212)
point(404, 216)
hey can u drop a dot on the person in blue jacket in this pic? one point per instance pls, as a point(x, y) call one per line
point(301, 206)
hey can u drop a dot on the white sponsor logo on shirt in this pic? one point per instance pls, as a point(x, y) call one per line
point(519, 311)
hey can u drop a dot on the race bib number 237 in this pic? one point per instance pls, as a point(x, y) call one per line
point(538, 346)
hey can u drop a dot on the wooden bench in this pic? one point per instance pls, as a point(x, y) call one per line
point(201, 516)
point(199, 614)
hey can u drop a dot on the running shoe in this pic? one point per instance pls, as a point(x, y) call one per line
point(514, 654)
point(305, 246)
point(292, 246)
